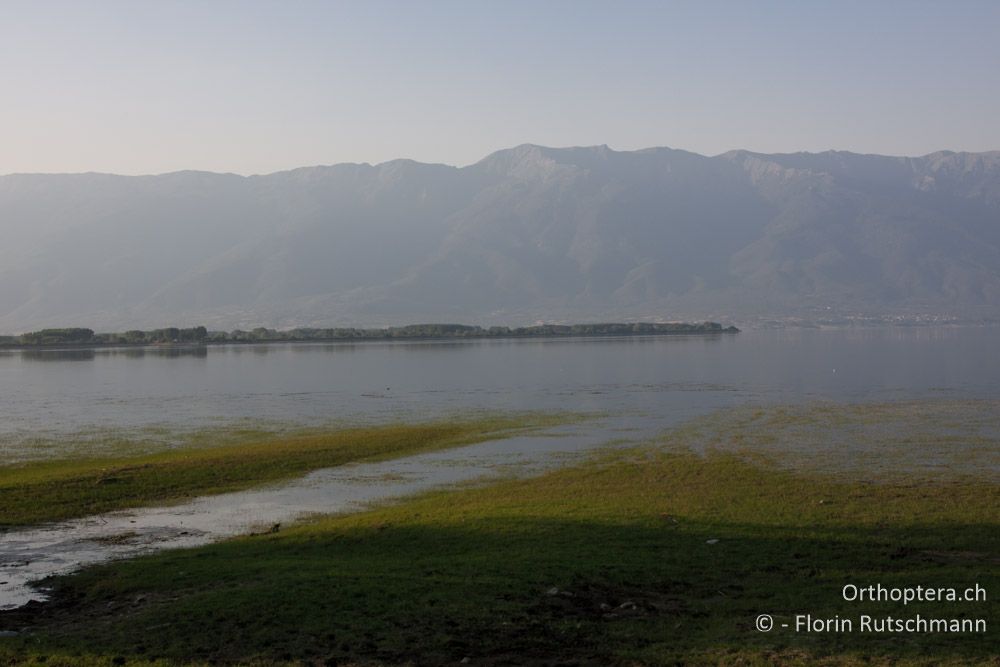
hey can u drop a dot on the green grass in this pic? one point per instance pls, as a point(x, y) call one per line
point(918, 440)
point(624, 540)
point(103, 442)
point(41, 491)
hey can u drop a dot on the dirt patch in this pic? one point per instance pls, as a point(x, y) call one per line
point(129, 537)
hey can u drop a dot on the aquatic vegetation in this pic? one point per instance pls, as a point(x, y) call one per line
point(916, 439)
point(42, 491)
point(643, 555)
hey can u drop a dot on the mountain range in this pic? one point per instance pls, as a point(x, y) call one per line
point(527, 234)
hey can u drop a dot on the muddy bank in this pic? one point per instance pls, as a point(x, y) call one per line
point(30, 555)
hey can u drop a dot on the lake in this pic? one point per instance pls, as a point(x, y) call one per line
point(657, 381)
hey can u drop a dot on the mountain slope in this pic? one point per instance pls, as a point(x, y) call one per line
point(527, 233)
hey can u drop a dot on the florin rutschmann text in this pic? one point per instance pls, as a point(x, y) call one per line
point(886, 623)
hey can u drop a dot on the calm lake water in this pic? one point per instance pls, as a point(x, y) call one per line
point(653, 380)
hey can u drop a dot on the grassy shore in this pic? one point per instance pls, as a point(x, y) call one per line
point(40, 491)
point(648, 556)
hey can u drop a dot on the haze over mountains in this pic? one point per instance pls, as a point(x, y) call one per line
point(526, 234)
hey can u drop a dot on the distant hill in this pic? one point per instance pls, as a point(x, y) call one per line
point(530, 233)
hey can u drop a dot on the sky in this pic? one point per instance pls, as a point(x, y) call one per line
point(152, 86)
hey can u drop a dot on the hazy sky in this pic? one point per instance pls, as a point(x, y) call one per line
point(251, 87)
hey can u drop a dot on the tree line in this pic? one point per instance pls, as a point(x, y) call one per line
point(80, 336)
point(200, 335)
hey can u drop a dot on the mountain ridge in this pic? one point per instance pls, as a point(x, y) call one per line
point(603, 147)
point(527, 233)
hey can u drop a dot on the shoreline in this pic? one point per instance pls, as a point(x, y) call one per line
point(684, 548)
point(35, 551)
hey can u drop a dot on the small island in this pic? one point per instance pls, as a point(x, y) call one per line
point(81, 337)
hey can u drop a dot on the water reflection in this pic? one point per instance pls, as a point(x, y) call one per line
point(58, 355)
point(416, 346)
point(89, 354)
point(459, 343)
